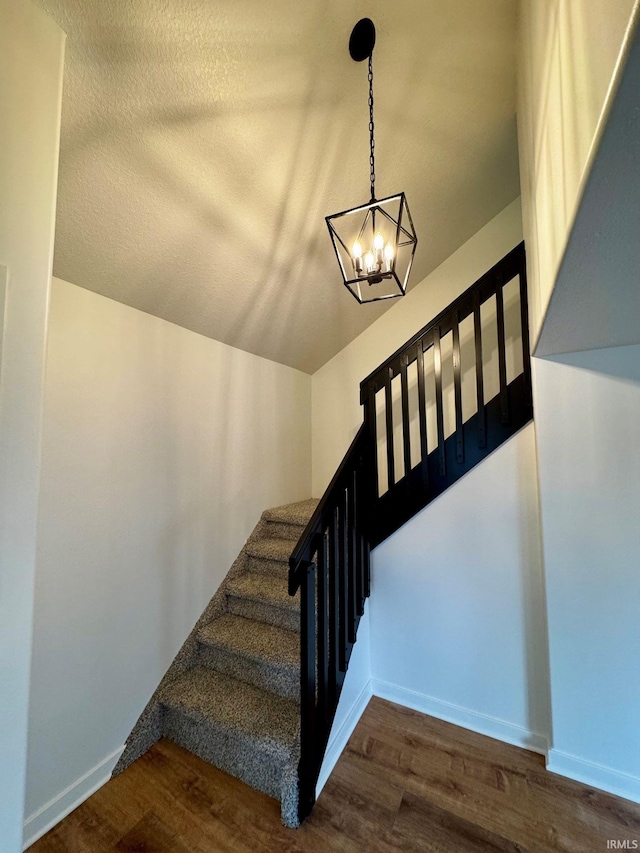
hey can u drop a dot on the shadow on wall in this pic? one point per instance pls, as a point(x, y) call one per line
point(491, 379)
point(203, 144)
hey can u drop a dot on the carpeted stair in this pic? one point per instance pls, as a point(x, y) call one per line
point(231, 695)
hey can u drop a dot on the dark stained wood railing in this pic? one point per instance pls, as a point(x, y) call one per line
point(330, 564)
point(471, 438)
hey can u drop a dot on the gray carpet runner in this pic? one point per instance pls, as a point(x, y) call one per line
point(232, 694)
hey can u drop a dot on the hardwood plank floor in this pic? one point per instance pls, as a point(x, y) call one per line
point(405, 783)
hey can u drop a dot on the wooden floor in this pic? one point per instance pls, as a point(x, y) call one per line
point(406, 782)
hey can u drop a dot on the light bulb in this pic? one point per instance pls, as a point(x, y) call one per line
point(388, 256)
point(378, 246)
point(357, 259)
point(369, 262)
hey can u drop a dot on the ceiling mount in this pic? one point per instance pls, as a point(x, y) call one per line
point(363, 39)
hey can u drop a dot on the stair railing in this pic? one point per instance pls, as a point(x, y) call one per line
point(330, 566)
point(377, 489)
point(431, 462)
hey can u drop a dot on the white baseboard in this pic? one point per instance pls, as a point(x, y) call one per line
point(339, 739)
point(46, 817)
point(450, 713)
point(595, 775)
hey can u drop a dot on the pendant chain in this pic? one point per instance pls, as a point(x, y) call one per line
point(372, 142)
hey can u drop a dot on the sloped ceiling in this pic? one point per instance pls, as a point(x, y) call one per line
point(204, 141)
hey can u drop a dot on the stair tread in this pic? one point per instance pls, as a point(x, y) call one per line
point(264, 588)
point(295, 513)
point(253, 639)
point(264, 548)
point(230, 704)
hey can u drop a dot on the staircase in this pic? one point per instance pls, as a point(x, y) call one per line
point(255, 688)
point(232, 694)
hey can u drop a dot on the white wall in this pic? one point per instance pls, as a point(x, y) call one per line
point(336, 410)
point(579, 197)
point(160, 450)
point(457, 604)
point(457, 608)
point(567, 59)
point(587, 415)
point(31, 54)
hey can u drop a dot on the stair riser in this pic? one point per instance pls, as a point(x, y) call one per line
point(282, 680)
point(263, 612)
point(249, 760)
point(280, 530)
point(268, 567)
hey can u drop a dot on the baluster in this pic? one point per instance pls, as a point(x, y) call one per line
point(334, 610)
point(360, 571)
point(502, 354)
point(457, 388)
point(350, 545)
point(524, 326)
point(362, 508)
point(308, 732)
point(367, 568)
point(477, 330)
point(322, 639)
point(342, 584)
point(357, 474)
point(371, 498)
point(391, 476)
point(437, 368)
point(356, 542)
point(422, 416)
point(406, 438)
point(370, 419)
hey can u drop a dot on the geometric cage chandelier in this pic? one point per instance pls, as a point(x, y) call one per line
point(375, 242)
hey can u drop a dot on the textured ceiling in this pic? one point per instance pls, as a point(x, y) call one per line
point(204, 142)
